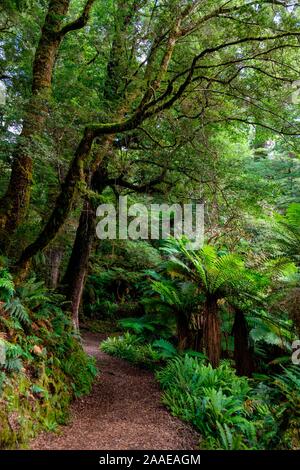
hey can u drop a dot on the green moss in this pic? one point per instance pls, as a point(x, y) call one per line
point(27, 406)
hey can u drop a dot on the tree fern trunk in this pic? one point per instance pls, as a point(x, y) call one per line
point(242, 352)
point(212, 332)
point(183, 332)
point(197, 341)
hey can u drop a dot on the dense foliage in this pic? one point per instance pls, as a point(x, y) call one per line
point(230, 412)
point(164, 102)
point(42, 365)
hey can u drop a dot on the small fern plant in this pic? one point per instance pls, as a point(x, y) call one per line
point(7, 288)
point(18, 311)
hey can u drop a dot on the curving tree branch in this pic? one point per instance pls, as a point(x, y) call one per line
point(79, 22)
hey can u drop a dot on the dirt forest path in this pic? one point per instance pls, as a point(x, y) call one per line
point(123, 412)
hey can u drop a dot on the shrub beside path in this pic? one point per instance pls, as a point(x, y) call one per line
point(123, 412)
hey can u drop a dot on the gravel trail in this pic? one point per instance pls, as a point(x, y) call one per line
point(123, 412)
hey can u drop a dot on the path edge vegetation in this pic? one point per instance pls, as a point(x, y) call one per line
point(43, 365)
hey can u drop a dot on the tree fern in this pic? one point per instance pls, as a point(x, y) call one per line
point(288, 238)
point(148, 327)
point(289, 384)
point(219, 277)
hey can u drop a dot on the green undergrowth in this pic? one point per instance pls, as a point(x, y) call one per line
point(100, 326)
point(130, 348)
point(230, 412)
point(43, 366)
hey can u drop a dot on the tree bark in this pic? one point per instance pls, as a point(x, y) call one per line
point(77, 267)
point(183, 332)
point(55, 256)
point(243, 357)
point(197, 342)
point(212, 332)
point(75, 275)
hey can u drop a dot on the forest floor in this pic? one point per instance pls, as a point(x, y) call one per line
point(123, 412)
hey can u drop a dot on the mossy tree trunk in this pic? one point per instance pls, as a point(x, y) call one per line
point(15, 202)
point(74, 278)
point(75, 275)
point(105, 131)
point(63, 205)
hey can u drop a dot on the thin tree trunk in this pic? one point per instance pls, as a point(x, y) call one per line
point(77, 267)
point(54, 256)
point(242, 352)
point(75, 275)
point(212, 332)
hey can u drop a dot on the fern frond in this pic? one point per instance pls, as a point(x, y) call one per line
point(7, 288)
point(18, 311)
